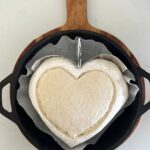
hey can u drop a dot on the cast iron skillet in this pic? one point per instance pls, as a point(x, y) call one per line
point(77, 25)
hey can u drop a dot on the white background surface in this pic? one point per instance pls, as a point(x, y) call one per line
point(21, 21)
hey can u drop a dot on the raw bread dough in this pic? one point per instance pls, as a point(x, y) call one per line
point(74, 103)
point(61, 95)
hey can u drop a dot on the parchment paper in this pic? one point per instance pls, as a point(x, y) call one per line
point(79, 51)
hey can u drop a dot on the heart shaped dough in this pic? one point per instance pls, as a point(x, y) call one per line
point(77, 103)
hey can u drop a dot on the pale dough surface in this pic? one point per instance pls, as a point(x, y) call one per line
point(76, 104)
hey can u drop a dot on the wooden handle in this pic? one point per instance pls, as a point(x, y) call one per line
point(77, 20)
point(77, 14)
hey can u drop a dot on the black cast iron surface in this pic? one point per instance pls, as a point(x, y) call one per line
point(113, 137)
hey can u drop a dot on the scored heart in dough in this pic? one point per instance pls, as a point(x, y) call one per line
point(59, 90)
point(76, 103)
